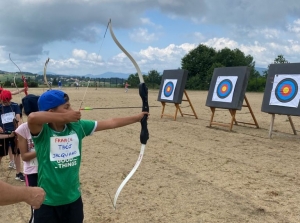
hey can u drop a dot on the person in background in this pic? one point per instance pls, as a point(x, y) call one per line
point(59, 84)
point(9, 121)
point(11, 156)
point(26, 146)
point(126, 87)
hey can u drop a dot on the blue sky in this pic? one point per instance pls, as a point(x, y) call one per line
point(157, 33)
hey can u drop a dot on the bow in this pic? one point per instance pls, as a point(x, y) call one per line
point(45, 73)
point(23, 78)
point(144, 135)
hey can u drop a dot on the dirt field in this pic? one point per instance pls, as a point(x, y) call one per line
point(190, 172)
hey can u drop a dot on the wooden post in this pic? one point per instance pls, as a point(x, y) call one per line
point(252, 114)
point(292, 124)
point(271, 125)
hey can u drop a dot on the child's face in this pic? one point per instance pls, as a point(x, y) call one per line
point(63, 108)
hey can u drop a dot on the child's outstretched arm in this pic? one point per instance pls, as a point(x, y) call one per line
point(36, 120)
point(119, 122)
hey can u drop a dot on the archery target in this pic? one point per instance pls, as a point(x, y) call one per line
point(224, 88)
point(168, 89)
point(285, 91)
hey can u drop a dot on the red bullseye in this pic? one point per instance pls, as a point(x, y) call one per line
point(286, 90)
point(224, 88)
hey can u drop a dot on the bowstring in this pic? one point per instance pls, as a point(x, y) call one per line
point(87, 86)
point(80, 107)
point(102, 41)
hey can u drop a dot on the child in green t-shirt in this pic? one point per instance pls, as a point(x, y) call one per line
point(57, 132)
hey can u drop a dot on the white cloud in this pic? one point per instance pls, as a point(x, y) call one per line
point(220, 43)
point(142, 36)
point(82, 54)
point(295, 27)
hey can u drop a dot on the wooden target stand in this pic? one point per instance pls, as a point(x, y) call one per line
point(233, 119)
point(272, 124)
point(178, 108)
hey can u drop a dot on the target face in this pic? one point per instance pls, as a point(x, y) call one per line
point(285, 91)
point(224, 88)
point(168, 89)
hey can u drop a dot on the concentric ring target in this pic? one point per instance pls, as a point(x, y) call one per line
point(224, 88)
point(286, 90)
point(169, 88)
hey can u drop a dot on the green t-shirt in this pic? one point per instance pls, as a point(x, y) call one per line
point(59, 157)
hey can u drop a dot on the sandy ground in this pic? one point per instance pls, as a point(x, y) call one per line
point(190, 172)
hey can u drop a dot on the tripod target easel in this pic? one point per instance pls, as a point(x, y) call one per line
point(178, 108)
point(233, 118)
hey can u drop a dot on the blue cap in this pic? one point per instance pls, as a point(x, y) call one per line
point(51, 99)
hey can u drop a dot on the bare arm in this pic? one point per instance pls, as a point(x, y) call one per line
point(119, 122)
point(10, 194)
point(5, 136)
point(36, 120)
point(18, 117)
point(23, 146)
point(18, 91)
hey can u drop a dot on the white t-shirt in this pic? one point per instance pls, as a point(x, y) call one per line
point(30, 167)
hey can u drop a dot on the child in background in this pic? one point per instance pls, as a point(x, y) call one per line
point(11, 156)
point(10, 119)
point(26, 146)
point(59, 84)
point(126, 87)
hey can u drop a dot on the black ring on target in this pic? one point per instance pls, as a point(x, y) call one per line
point(169, 88)
point(286, 90)
point(227, 84)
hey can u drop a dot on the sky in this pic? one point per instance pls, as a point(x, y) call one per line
point(157, 33)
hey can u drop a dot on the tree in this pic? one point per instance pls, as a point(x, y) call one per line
point(153, 79)
point(55, 82)
point(197, 62)
point(279, 59)
point(201, 62)
point(133, 80)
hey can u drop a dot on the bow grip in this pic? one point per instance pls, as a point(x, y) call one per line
point(144, 136)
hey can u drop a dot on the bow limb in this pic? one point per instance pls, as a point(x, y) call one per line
point(144, 135)
point(45, 73)
point(23, 78)
point(126, 53)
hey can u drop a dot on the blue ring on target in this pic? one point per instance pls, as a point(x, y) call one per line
point(224, 83)
point(286, 84)
point(169, 88)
